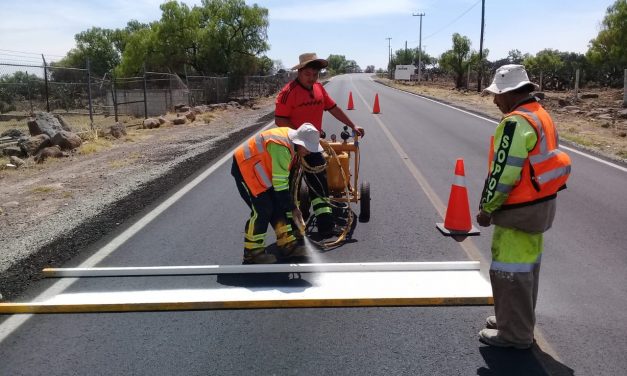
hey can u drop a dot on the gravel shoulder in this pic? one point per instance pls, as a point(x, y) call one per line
point(49, 212)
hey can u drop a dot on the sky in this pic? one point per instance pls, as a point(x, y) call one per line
point(357, 29)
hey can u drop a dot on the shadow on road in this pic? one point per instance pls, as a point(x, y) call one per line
point(512, 362)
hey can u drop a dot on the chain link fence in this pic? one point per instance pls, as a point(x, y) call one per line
point(88, 102)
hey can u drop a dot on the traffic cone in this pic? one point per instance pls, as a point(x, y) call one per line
point(350, 101)
point(376, 109)
point(457, 220)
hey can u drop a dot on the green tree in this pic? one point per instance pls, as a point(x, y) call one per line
point(95, 44)
point(337, 64)
point(547, 62)
point(456, 60)
point(608, 51)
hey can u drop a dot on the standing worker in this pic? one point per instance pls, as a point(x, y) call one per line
point(526, 171)
point(304, 100)
point(261, 170)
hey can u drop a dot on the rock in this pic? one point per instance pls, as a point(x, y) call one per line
point(13, 133)
point(117, 130)
point(563, 102)
point(45, 123)
point(190, 115)
point(182, 109)
point(16, 161)
point(14, 151)
point(177, 107)
point(571, 108)
point(67, 140)
point(9, 165)
point(52, 151)
point(540, 95)
point(198, 110)
point(151, 123)
point(34, 144)
point(605, 117)
point(622, 114)
point(179, 121)
point(162, 120)
point(588, 96)
point(622, 134)
point(64, 124)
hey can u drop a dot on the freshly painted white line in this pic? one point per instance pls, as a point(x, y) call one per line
point(15, 321)
point(616, 166)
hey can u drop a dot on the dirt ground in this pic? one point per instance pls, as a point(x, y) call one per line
point(593, 123)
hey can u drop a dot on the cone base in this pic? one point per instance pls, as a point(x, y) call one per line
point(446, 232)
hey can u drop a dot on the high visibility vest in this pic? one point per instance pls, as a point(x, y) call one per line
point(546, 169)
point(254, 161)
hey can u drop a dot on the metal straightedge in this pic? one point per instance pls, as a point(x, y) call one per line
point(274, 286)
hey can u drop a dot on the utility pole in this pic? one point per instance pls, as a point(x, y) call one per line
point(389, 57)
point(419, 45)
point(481, 47)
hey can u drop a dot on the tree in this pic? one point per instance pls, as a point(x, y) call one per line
point(337, 64)
point(370, 69)
point(456, 60)
point(608, 51)
point(95, 44)
point(546, 62)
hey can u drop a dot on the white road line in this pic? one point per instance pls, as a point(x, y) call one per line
point(15, 321)
point(616, 166)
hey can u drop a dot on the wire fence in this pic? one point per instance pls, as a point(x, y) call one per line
point(100, 101)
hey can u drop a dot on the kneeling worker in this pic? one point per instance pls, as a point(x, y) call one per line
point(261, 168)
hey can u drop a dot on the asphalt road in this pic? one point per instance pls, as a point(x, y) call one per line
point(408, 156)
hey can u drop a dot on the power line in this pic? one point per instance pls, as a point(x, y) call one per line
point(455, 20)
point(29, 53)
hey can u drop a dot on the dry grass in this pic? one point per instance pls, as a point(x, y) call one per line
point(44, 189)
point(94, 146)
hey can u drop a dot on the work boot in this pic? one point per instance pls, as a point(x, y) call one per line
point(258, 256)
point(294, 249)
point(491, 337)
point(490, 322)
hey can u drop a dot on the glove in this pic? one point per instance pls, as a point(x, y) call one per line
point(484, 219)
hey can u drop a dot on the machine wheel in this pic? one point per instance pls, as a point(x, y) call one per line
point(304, 201)
point(364, 202)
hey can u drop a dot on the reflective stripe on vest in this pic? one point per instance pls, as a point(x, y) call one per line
point(515, 267)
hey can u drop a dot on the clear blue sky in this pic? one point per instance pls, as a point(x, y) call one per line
point(356, 29)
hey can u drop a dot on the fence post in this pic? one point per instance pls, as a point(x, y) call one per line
point(468, 79)
point(30, 99)
point(625, 90)
point(577, 84)
point(114, 97)
point(189, 91)
point(145, 99)
point(91, 112)
point(46, 83)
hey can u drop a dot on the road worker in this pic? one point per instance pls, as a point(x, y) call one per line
point(526, 171)
point(304, 100)
point(261, 168)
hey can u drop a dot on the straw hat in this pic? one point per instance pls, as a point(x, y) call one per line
point(307, 58)
point(306, 135)
point(509, 77)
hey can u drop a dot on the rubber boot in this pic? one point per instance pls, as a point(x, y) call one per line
point(258, 256)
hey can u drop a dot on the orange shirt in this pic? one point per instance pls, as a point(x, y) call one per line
point(301, 105)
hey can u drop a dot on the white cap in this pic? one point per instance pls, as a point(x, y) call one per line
point(306, 135)
point(509, 77)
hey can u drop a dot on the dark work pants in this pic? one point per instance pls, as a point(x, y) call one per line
point(319, 192)
point(264, 211)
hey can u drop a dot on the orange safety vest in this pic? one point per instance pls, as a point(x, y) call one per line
point(255, 162)
point(546, 169)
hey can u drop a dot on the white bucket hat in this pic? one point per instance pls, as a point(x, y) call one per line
point(509, 77)
point(306, 135)
point(307, 58)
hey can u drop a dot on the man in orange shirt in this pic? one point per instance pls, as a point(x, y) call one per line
point(304, 100)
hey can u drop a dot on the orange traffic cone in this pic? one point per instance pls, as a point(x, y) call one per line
point(457, 220)
point(350, 101)
point(376, 109)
